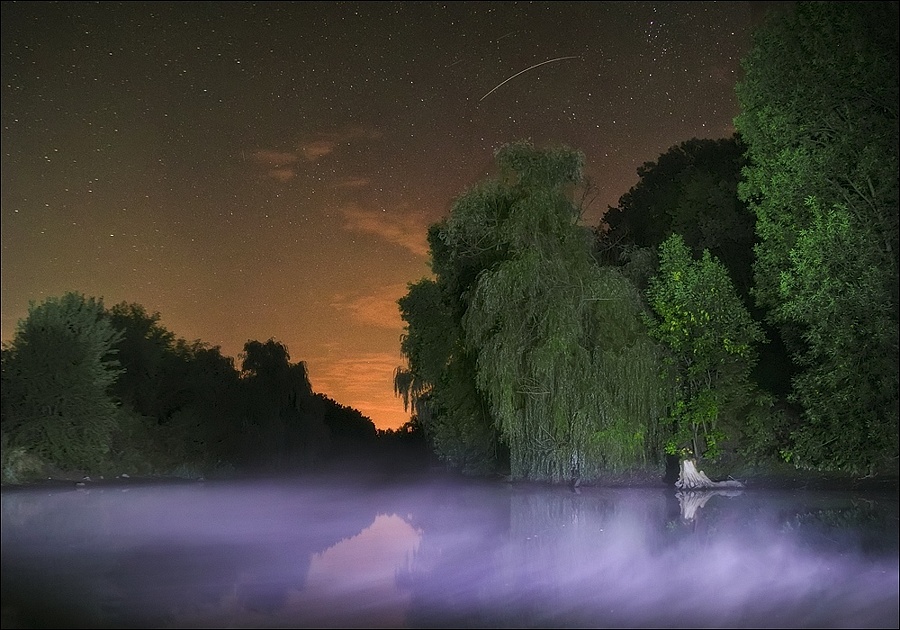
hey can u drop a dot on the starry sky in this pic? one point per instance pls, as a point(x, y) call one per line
point(266, 170)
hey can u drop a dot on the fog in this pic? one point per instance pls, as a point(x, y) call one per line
point(445, 553)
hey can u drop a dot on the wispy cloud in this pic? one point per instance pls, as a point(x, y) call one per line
point(312, 150)
point(377, 309)
point(360, 374)
point(282, 174)
point(277, 165)
point(274, 158)
point(405, 229)
point(352, 182)
point(325, 143)
point(283, 165)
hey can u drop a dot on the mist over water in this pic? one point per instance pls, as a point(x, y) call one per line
point(444, 553)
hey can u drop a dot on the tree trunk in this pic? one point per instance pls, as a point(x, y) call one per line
point(692, 479)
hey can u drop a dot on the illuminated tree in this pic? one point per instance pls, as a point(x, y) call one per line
point(57, 375)
point(819, 115)
point(712, 341)
point(571, 377)
point(438, 383)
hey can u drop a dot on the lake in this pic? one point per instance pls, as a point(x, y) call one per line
point(445, 552)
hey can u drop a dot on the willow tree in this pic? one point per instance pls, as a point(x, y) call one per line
point(438, 382)
point(563, 359)
point(819, 116)
point(278, 422)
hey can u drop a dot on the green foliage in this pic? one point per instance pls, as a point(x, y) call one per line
point(428, 340)
point(181, 397)
point(521, 348)
point(57, 376)
point(691, 189)
point(819, 117)
point(458, 425)
point(550, 329)
point(17, 464)
point(711, 337)
point(438, 383)
point(107, 392)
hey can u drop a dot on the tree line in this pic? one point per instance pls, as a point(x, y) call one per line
point(739, 304)
point(111, 391)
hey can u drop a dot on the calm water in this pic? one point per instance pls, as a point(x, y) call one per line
point(446, 554)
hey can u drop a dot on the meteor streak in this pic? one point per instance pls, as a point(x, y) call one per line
point(523, 72)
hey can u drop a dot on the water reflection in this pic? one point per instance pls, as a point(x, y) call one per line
point(365, 567)
point(441, 554)
point(691, 501)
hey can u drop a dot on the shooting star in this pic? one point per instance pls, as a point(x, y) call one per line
point(523, 72)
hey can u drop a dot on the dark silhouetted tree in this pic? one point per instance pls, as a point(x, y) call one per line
point(690, 190)
point(282, 429)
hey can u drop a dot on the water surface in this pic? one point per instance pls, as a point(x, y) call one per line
point(445, 553)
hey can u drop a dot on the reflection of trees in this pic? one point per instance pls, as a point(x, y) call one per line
point(500, 555)
point(863, 525)
point(151, 556)
point(491, 554)
point(538, 556)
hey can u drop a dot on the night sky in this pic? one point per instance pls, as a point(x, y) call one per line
point(269, 170)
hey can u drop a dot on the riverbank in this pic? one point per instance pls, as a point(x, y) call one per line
point(780, 477)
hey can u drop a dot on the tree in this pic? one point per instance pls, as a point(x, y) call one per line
point(349, 429)
point(57, 376)
point(819, 112)
point(712, 341)
point(562, 357)
point(438, 382)
point(278, 408)
point(427, 342)
point(143, 350)
point(690, 190)
point(207, 422)
point(182, 395)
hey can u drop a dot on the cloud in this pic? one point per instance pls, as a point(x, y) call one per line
point(312, 150)
point(282, 165)
point(401, 228)
point(352, 182)
point(379, 309)
point(281, 174)
point(359, 375)
point(325, 143)
point(274, 158)
point(277, 164)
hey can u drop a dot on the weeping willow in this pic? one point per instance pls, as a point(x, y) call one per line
point(572, 379)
